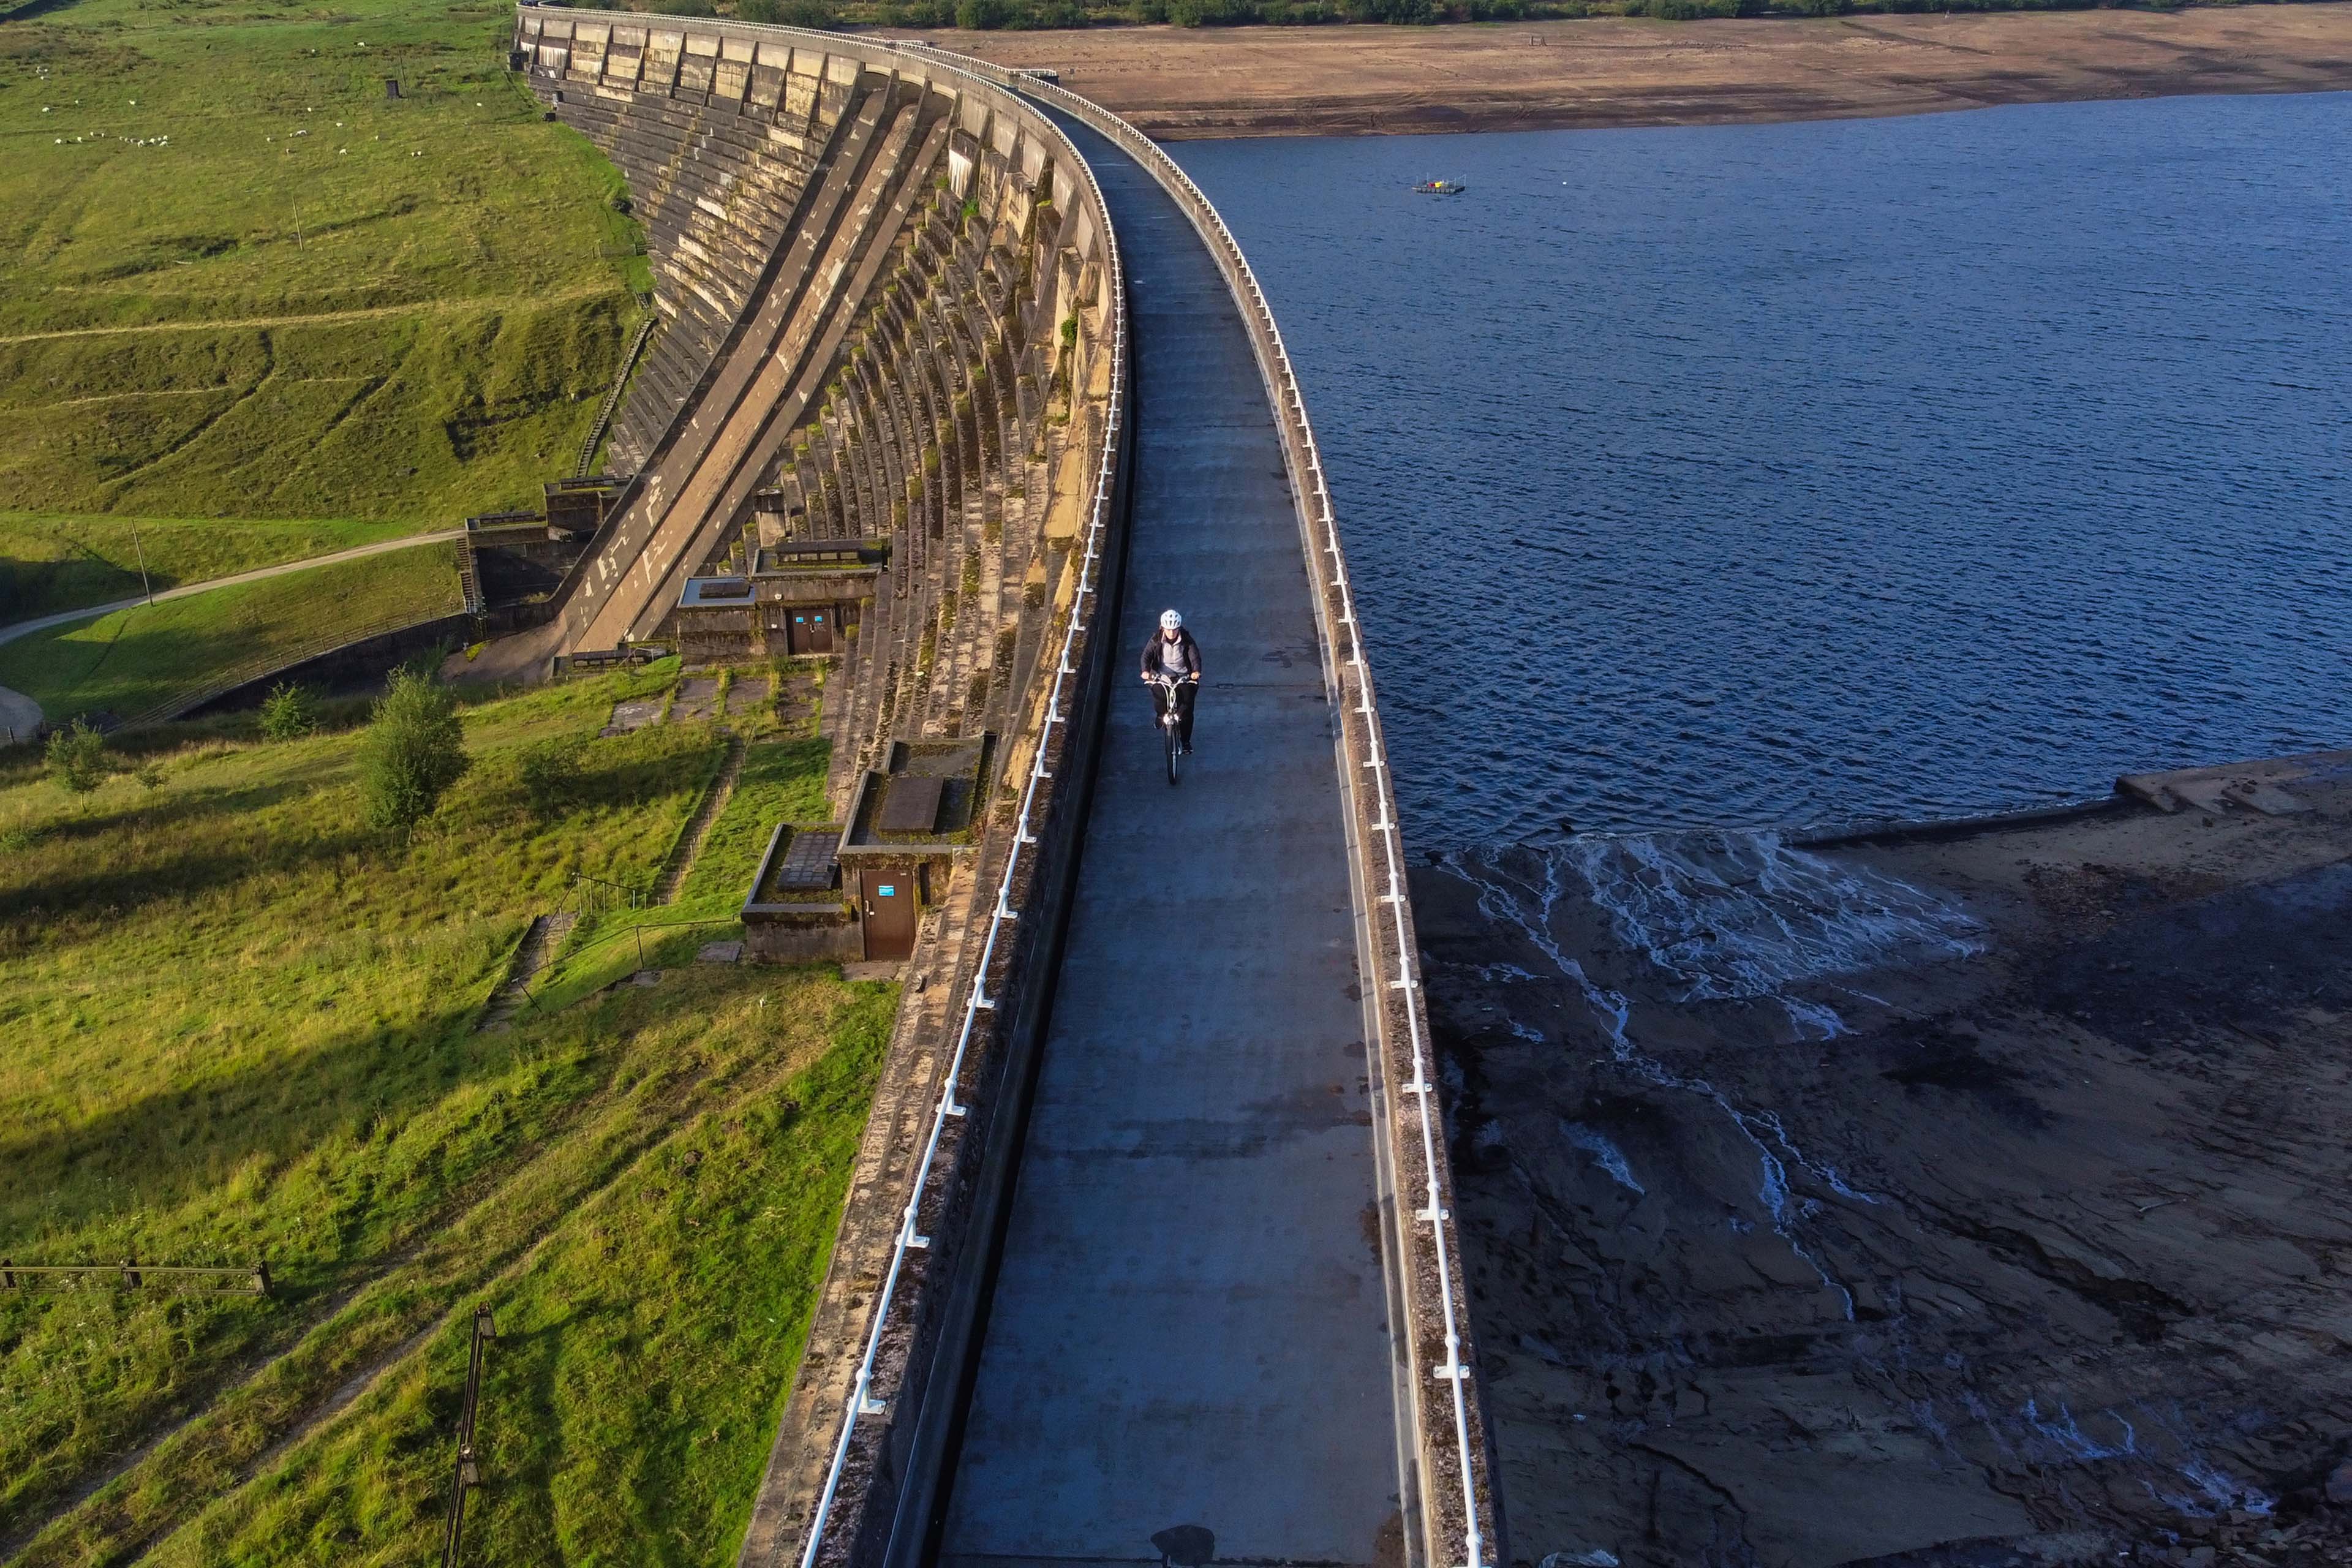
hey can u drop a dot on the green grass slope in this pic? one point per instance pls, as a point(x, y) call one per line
point(51, 561)
point(236, 281)
point(135, 661)
point(240, 1026)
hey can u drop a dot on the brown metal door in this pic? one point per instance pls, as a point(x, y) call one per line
point(888, 899)
point(812, 631)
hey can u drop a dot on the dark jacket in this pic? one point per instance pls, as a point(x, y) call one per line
point(1183, 659)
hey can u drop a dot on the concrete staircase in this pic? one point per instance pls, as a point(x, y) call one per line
point(538, 945)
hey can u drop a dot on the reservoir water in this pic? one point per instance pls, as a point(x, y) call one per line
point(1801, 475)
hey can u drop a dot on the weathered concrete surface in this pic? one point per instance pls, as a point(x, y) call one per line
point(1191, 1323)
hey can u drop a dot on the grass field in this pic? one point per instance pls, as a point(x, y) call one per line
point(242, 1026)
point(131, 662)
point(241, 283)
point(53, 562)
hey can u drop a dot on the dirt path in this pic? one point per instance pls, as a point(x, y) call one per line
point(358, 552)
point(1269, 81)
point(363, 314)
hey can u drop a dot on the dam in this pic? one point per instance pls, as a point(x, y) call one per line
point(1149, 1253)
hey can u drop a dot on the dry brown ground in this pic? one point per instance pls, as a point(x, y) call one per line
point(1259, 81)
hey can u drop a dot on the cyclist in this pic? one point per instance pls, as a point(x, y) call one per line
point(1171, 655)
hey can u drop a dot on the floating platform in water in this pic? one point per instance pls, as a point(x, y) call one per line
point(1441, 187)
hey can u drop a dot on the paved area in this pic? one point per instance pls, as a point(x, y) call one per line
point(1190, 1331)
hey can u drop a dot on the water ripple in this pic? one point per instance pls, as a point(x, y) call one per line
point(1800, 474)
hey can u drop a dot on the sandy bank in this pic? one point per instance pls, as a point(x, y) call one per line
point(1965, 1202)
point(1265, 81)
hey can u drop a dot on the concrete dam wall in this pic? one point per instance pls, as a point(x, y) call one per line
point(880, 304)
point(1147, 1252)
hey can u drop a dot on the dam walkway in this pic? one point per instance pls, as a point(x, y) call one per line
point(1192, 1324)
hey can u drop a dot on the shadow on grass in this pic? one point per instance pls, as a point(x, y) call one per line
point(185, 1139)
point(110, 891)
point(186, 804)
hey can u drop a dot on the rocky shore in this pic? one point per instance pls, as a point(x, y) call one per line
point(1970, 1197)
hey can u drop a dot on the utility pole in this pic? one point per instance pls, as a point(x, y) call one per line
point(144, 587)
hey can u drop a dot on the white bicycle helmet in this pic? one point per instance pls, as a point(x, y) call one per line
point(1171, 621)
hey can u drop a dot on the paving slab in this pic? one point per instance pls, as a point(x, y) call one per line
point(697, 697)
point(1187, 1342)
point(746, 692)
point(632, 715)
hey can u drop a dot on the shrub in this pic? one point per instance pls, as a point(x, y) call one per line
point(415, 750)
point(76, 757)
point(289, 713)
point(550, 777)
point(1210, 13)
point(1039, 15)
point(789, 12)
point(980, 16)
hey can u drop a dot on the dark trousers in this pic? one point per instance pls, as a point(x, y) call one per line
point(1185, 691)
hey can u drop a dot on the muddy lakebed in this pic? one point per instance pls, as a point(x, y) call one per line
point(1977, 1197)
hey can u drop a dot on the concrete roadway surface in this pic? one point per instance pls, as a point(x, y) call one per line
point(21, 714)
point(1190, 1325)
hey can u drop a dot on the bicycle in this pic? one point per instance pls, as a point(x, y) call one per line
point(1170, 733)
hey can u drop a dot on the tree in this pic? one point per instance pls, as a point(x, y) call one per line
point(289, 713)
point(415, 750)
point(78, 757)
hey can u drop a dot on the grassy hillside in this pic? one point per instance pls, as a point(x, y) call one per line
point(241, 1026)
point(235, 281)
point(60, 561)
point(134, 661)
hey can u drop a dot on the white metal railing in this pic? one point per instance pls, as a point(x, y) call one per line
point(1363, 720)
point(861, 1401)
point(1315, 498)
point(976, 1001)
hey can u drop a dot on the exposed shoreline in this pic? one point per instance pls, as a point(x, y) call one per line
point(1943, 1198)
point(1179, 84)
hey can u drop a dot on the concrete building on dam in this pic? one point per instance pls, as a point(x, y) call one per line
point(957, 380)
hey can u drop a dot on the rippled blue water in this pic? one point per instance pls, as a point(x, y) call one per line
point(1804, 474)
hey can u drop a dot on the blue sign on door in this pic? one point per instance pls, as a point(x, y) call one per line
point(886, 890)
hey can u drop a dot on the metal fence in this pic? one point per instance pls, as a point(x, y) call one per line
point(252, 1279)
point(1083, 608)
point(1436, 1249)
point(1462, 1472)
